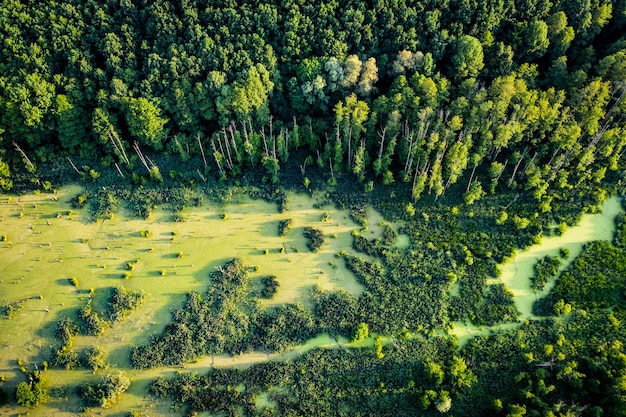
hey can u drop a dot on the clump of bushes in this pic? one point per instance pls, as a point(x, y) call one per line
point(106, 392)
point(270, 286)
point(497, 306)
point(66, 329)
point(315, 238)
point(93, 358)
point(80, 200)
point(545, 269)
point(10, 309)
point(124, 301)
point(32, 393)
point(284, 226)
point(91, 322)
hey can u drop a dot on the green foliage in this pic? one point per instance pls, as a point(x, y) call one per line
point(6, 183)
point(378, 347)
point(515, 108)
point(270, 286)
point(93, 358)
point(9, 309)
point(66, 329)
point(315, 238)
point(545, 269)
point(284, 226)
point(468, 56)
point(214, 318)
point(32, 393)
point(595, 279)
point(106, 392)
point(145, 122)
point(123, 302)
point(498, 306)
point(360, 333)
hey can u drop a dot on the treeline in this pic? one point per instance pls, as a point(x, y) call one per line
point(523, 95)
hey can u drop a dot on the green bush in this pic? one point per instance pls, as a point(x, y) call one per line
point(106, 392)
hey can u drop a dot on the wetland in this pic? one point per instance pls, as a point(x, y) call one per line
point(56, 258)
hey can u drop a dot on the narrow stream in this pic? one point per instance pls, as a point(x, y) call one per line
point(516, 273)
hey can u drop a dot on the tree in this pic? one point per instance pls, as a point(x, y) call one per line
point(407, 61)
point(536, 40)
point(368, 78)
point(144, 120)
point(32, 393)
point(5, 177)
point(467, 57)
point(351, 70)
point(361, 332)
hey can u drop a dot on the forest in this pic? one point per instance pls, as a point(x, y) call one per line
point(479, 126)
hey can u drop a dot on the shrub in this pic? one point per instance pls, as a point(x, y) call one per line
point(123, 302)
point(270, 286)
point(32, 393)
point(107, 391)
point(361, 332)
point(93, 358)
point(315, 238)
point(284, 226)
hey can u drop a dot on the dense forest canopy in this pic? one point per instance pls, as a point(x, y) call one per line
point(520, 94)
point(477, 123)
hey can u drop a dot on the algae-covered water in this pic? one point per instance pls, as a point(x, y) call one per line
point(47, 243)
point(517, 272)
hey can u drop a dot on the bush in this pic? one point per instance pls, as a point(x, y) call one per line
point(284, 226)
point(123, 301)
point(32, 393)
point(361, 332)
point(65, 357)
point(106, 392)
point(545, 269)
point(270, 286)
point(66, 329)
point(93, 358)
point(315, 238)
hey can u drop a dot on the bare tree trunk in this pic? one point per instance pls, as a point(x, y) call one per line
point(142, 158)
point(219, 166)
point(264, 141)
point(469, 183)
point(517, 166)
point(119, 170)
point(28, 161)
point(73, 166)
point(201, 149)
point(528, 165)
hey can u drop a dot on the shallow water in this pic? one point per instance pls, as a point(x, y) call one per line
point(517, 272)
point(47, 245)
